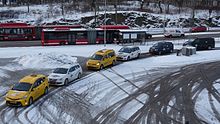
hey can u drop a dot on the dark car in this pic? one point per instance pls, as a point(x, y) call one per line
point(201, 43)
point(198, 29)
point(161, 48)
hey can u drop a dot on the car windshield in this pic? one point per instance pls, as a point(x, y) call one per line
point(60, 70)
point(96, 57)
point(22, 86)
point(125, 50)
point(155, 45)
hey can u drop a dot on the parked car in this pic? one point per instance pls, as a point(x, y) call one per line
point(201, 43)
point(27, 90)
point(127, 53)
point(101, 59)
point(161, 48)
point(174, 33)
point(198, 29)
point(64, 75)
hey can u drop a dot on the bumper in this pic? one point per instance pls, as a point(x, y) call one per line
point(20, 102)
point(95, 67)
point(121, 58)
point(57, 83)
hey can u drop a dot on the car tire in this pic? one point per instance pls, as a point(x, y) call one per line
point(101, 67)
point(138, 55)
point(79, 76)
point(128, 58)
point(159, 53)
point(182, 35)
point(45, 91)
point(171, 51)
point(209, 47)
point(66, 82)
point(30, 101)
point(113, 62)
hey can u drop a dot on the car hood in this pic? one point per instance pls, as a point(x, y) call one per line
point(14, 94)
point(56, 76)
point(122, 54)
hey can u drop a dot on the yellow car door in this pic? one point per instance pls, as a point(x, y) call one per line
point(34, 91)
point(41, 86)
point(105, 61)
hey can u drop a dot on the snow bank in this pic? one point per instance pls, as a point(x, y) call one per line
point(42, 60)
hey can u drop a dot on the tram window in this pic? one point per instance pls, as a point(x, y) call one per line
point(27, 31)
point(1, 31)
point(56, 36)
point(81, 35)
point(20, 31)
point(100, 34)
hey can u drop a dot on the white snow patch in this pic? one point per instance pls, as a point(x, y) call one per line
point(42, 60)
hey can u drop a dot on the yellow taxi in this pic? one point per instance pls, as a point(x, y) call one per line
point(101, 59)
point(28, 89)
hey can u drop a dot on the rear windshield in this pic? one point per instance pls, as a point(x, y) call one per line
point(60, 70)
point(96, 57)
point(22, 86)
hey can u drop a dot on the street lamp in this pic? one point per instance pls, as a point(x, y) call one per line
point(105, 26)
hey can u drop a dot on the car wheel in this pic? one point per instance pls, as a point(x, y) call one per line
point(101, 67)
point(66, 82)
point(30, 101)
point(182, 35)
point(79, 76)
point(113, 63)
point(128, 58)
point(171, 51)
point(45, 91)
point(209, 47)
point(138, 55)
point(159, 53)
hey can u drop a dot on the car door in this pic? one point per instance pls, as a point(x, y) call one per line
point(41, 86)
point(35, 90)
point(71, 74)
point(132, 53)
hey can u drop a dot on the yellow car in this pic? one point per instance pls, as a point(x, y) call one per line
point(101, 59)
point(27, 90)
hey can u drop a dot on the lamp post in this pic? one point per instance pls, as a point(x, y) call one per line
point(105, 26)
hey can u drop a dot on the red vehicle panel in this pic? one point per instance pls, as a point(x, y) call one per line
point(198, 29)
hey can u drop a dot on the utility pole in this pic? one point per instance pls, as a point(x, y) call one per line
point(28, 5)
point(105, 26)
point(116, 13)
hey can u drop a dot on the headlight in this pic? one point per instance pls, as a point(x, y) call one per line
point(60, 79)
point(98, 64)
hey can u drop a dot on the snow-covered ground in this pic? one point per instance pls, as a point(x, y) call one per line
point(98, 87)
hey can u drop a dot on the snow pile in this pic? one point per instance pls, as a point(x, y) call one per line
point(3, 74)
point(45, 60)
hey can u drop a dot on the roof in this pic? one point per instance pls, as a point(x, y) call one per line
point(67, 66)
point(112, 27)
point(31, 78)
point(61, 26)
point(103, 51)
point(64, 29)
point(132, 31)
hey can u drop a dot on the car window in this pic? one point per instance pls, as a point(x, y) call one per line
point(125, 50)
point(60, 70)
point(22, 86)
point(96, 57)
point(72, 69)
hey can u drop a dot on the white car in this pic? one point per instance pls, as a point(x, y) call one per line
point(174, 33)
point(127, 53)
point(65, 74)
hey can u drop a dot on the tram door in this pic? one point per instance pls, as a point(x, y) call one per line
point(72, 38)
